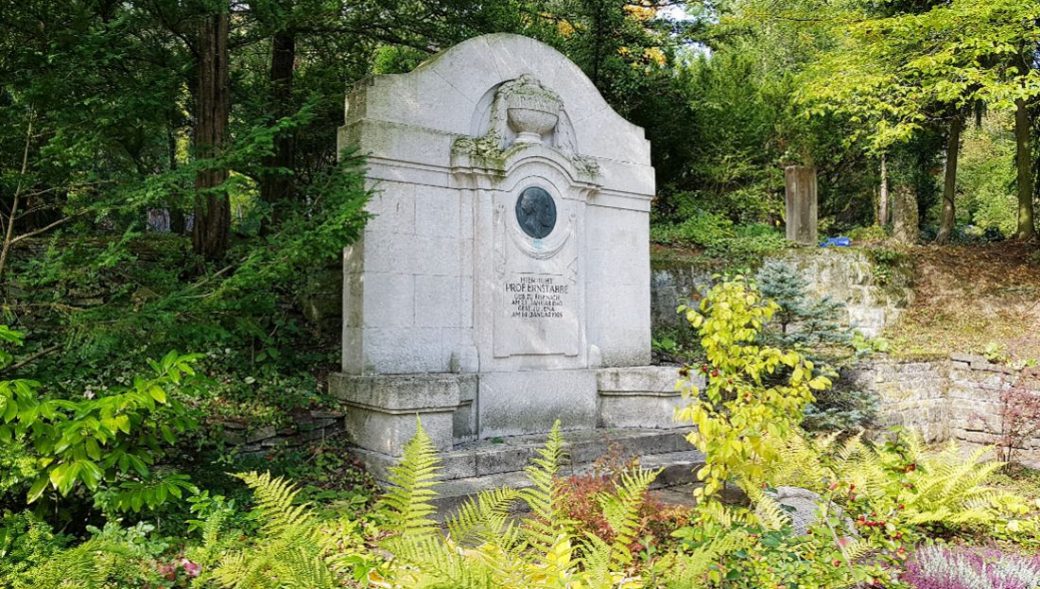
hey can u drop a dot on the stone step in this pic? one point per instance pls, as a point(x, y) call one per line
point(677, 468)
point(490, 457)
point(510, 455)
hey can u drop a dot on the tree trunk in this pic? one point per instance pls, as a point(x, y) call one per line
point(212, 226)
point(953, 147)
point(883, 196)
point(1024, 164)
point(276, 184)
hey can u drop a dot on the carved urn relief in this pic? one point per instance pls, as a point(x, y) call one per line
point(531, 109)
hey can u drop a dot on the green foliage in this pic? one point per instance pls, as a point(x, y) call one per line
point(407, 504)
point(886, 263)
point(295, 551)
point(986, 176)
point(485, 547)
point(111, 557)
point(898, 493)
point(26, 541)
point(812, 326)
point(95, 442)
point(737, 245)
point(871, 234)
point(701, 229)
point(894, 67)
point(802, 320)
point(742, 417)
point(753, 548)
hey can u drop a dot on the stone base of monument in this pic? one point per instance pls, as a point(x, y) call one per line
point(470, 468)
point(633, 416)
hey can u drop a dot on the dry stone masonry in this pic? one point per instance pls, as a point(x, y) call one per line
point(958, 398)
point(503, 281)
point(847, 276)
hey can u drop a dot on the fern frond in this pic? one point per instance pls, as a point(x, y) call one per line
point(87, 566)
point(598, 558)
point(544, 496)
point(439, 563)
point(683, 571)
point(768, 511)
point(484, 518)
point(621, 510)
point(408, 502)
point(292, 550)
point(856, 549)
point(275, 503)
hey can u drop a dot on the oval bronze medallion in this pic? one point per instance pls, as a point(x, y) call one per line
point(536, 212)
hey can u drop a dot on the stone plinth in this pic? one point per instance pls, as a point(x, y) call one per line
point(382, 410)
point(800, 188)
point(642, 397)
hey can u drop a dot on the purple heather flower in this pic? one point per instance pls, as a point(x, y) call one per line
point(939, 567)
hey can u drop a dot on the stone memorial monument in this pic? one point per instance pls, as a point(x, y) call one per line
point(801, 218)
point(503, 281)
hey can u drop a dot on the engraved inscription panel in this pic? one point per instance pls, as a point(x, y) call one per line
point(536, 279)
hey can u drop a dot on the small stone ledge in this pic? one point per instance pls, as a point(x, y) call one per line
point(641, 381)
point(382, 411)
point(305, 428)
point(639, 397)
point(404, 393)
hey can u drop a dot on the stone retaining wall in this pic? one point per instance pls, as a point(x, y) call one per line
point(846, 275)
point(957, 398)
point(913, 394)
point(306, 427)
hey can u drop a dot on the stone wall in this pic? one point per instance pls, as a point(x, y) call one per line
point(955, 398)
point(305, 428)
point(913, 394)
point(845, 275)
point(975, 396)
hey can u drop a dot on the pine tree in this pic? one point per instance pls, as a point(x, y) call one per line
point(813, 325)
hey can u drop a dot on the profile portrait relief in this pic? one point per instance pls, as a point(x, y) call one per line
point(536, 212)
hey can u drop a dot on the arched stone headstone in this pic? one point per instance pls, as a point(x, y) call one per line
point(506, 267)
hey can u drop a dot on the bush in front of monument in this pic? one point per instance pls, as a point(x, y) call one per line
point(741, 416)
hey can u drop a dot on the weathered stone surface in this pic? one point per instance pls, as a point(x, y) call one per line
point(451, 147)
point(517, 403)
point(800, 193)
point(640, 397)
point(958, 399)
point(804, 507)
point(509, 244)
point(846, 276)
point(905, 217)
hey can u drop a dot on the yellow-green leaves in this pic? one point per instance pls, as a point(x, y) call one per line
point(755, 395)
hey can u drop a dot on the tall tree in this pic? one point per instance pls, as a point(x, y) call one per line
point(916, 59)
point(212, 228)
point(882, 211)
point(276, 185)
point(948, 218)
point(1024, 167)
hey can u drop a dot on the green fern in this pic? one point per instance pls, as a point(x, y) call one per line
point(545, 496)
point(485, 518)
point(768, 511)
point(621, 510)
point(98, 563)
point(690, 570)
point(946, 488)
point(408, 503)
point(292, 551)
